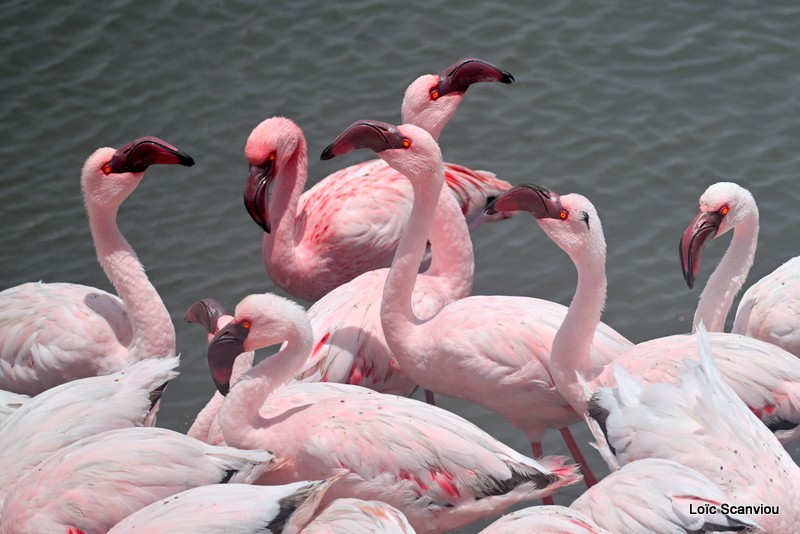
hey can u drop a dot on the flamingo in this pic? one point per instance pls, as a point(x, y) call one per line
point(349, 342)
point(722, 443)
point(69, 412)
point(53, 333)
point(650, 495)
point(766, 377)
point(211, 314)
point(492, 350)
point(318, 240)
point(96, 482)
point(710, 429)
point(770, 309)
point(229, 508)
point(345, 516)
point(438, 469)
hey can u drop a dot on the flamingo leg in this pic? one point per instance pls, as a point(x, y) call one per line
point(538, 452)
point(429, 398)
point(588, 477)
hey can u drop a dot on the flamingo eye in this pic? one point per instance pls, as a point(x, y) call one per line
point(107, 169)
point(724, 210)
point(435, 94)
point(246, 325)
point(564, 214)
point(406, 142)
point(271, 156)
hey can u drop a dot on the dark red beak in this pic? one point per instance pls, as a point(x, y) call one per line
point(374, 135)
point(463, 73)
point(535, 199)
point(256, 193)
point(223, 350)
point(140, 153)
point(205, 312)
point(700, 231)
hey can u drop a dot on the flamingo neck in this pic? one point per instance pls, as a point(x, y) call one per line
point(280, 243)
point(570, 355)
point(728, 278)
point(240, 419)
point(397, 315)
point(452, 261)
point(153, 332)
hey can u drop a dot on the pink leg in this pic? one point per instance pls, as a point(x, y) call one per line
point(429, 398)
point(538, 452)
point(575, 451)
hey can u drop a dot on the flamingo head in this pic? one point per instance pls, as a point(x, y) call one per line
point(723, 206)
point(261, 320)
point(209, 313)
point(109, 175)
point(270, 147)
point(432, 99)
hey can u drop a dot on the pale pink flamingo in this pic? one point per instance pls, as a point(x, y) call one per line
point(438, 469)
point(702, 423)
point(770, 309)
point(545, 520)
point(766, 377)
point(69, 412)
point(492, 350)
point(53, 333)
point(229, 508)
point(96, 482)
point(211, 314)
point(349, 345)
point(348, 516)
point(657, 495)
point(730, 436)
point(349, 223)
point(9, 402)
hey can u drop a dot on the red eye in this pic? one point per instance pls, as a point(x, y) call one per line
point(271, 156)
point(107, 169)
point(563, 215)
point(434, 94)
point(246, 325)
point(406, 142)
point(724, 210)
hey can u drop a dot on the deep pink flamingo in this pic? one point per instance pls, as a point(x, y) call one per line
point(438, 469)
point(96, 482)
point(53, 333)
point(77, 409)
point(492, 350)
point(766, 377)
point(770, 309)
point(715, 433)
point(349, 223)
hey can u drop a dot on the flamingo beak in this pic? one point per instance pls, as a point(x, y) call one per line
point(700, 231)
point(460, 75)
point(535, 199)
point(256, 193)
point(374, 135)
point(140, 153)
point(223, 350)
point(205, 312)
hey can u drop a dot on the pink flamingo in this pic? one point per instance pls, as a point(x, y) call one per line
point(69, 412)
point(707, 428)
point(438, 469)
point(349, 343)
point(53, 333)
point(456, 351)
point(318, 240)
point(239, 508)
point(211, 314)
point(544, 520)
point(715, 441)
point(345, 516)
point(766, 377)
point(96, 482)
point(770, 308)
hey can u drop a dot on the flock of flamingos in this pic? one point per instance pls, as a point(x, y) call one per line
point(322, 437)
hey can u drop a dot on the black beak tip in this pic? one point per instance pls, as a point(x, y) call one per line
point(187, 161)
point(507, 77)
point(327, 153)
point(224, 389)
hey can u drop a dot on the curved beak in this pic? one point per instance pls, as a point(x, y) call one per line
point(140, 153)
point(256, 193)
point(205, 312)
point(463, 73)
point(700, 231)
point(535, 199)
point(374, 135)
point(223, 350)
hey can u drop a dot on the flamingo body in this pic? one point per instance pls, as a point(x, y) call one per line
point(94, 483)
point(9, 402)
point(54, 333)
point(544, 520)
point(345, 516)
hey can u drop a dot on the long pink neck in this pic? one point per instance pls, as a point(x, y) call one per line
point(572, 343)
point(153, 333)
point(728, 278)
point(452, 261)
point(397, 315)
point(240, 417)
point(279, 244)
